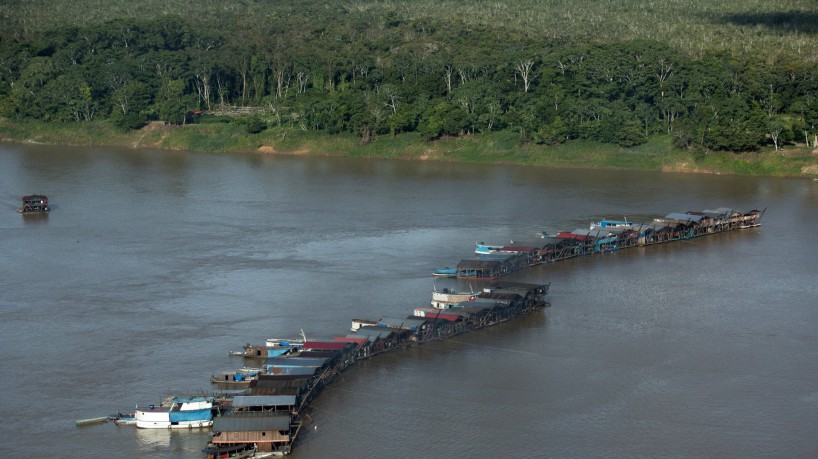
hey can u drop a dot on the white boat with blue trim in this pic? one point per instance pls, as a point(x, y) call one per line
point(177, 413)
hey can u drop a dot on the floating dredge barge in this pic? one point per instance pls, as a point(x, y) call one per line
point(267, 418)
point(602, 237)
point(269, 415)
point(34, 204)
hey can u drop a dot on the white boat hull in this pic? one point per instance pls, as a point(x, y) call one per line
point(179, 413)
point(168, 425)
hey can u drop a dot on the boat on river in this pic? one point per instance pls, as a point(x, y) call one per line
point(485, 249)
point(446, 298)
point(445, 272)
point(176, 413)
point(286, 342)
point(240, 377)
point(34, 204)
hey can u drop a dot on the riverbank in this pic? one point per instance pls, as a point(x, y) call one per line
point(498, 147)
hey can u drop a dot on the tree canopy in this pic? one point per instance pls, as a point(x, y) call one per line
point(438, 69)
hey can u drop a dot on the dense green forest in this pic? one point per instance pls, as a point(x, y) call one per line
point(729, 75)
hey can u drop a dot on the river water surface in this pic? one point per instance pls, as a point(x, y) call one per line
point(153, 264)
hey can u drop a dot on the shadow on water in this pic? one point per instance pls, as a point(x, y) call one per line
point(35, 218)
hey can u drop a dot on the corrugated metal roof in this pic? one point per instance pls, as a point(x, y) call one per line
point(479, 264)
point(325, 345)
point(683, 217)
point(450, 315)
point(599, 232)
point(251, 422)
point(277, 381)
point(486, 301)
point(407, 323)
point(473, 311)
point(497, 256)
point(567, 235)
point(263, 400)
point(375, 331)
point(282, 377)
point(275, 391)
point(295, 362)
point(320, 354)
point(501, 295)
point(348, 339)
point(275, 370)
point(720, 210)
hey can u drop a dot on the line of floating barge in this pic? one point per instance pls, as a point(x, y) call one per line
point(271, 413)
point(271, 406)
point(495, 261)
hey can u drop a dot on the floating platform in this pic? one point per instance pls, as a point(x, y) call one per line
point(604, 236)
point(272, 412)
point(267, 417)
point(34, 204)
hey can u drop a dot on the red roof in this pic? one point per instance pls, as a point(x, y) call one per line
point(444, 316)
point(567, 235)
point(349, 339)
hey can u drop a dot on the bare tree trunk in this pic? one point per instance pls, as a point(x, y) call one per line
point(448, 71)
point(302, 78)
point(524, 69)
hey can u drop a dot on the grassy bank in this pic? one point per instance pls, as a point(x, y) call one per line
point(496, 148)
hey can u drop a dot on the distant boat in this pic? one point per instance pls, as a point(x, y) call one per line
point(176, 413)
point(445, 272)
point(34, 203)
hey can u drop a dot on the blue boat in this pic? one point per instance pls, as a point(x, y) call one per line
point(484, 249)
point(445, 272)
